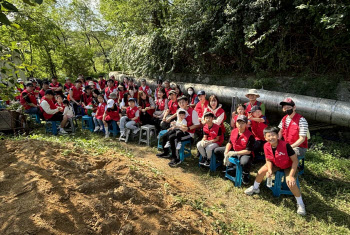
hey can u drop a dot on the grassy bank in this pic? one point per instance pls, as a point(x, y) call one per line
point(325, 187)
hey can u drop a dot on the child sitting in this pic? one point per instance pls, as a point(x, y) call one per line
point(132, 117)
point(59, 102)
point(111, 114)
point(239, 111)
point(176, 125)
point(68, 109)
point(212, 138)
point(98, 118)
point(258, 123)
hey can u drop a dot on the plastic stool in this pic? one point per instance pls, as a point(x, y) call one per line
point(279, 184)
point(160, 137)
point(185, 152)
point(238, 178)
point(148, 129)
point(52, 127)
point(36, 117)
point(87, 123)
point(214, 164)
point(115, 128)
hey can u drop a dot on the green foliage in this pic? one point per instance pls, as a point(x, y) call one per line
point(221, 36)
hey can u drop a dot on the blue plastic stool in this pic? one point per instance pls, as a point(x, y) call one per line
point(36, 117)
point(87, 123)
point(238, 178)
point(280, 186)
point(183, 151)
point(214, 164)
point(114, 130)
point(161, 133)
point(52, 127)
point(2, 104)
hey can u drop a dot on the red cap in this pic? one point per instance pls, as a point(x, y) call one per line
point(288, 101)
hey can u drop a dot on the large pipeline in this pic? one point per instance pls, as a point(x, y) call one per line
point(313, 108)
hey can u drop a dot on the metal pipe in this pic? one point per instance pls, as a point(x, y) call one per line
point(312, 108)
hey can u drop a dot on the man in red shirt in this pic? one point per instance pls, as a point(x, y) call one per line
point(28, 99)
point(75, 96)
point(101, 82)
point(46, 86)
point(56, 86)
point(279, 156)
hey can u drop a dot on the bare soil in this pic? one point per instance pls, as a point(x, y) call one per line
point(44, 190)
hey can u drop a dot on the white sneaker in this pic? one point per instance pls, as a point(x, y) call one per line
point(107, 135)
point(135, 131)
point(301, 209)
point(178, 146)
point(101, 128)
point(167, 145)
point(122, 134)
point(97, 128)
point(62, 131)
point(251, 190)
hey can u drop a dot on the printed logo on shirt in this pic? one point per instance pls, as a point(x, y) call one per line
point(243, 140)
point(281, 153)
point(293, 123)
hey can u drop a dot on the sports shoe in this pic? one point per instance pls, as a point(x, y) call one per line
point(62, 131)
point(167, 144)
point(165, 154)
point(107, 135)
point(174, 163)
point(178, 146)
point(301, 209)
point(202, 161)
point(135, 131)
point(251, 190)
point(97, 128)
point(122, 134)
point(206, 163)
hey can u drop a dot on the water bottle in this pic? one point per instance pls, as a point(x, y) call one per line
point(269, 182)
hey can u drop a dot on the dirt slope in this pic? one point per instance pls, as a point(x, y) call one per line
point(47, 191)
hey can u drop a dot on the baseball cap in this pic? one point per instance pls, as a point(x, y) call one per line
point(19, 80)
point(201, 93)
point(172, 92)
point(143, 80)
point(113, 95)
point(110, 103)
point(242, 118)
point(91, 83)
point(288, 101)
point(132, 99)
point(28, 84)
point(255, 108)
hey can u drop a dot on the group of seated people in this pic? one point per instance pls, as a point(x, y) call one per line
point(183, 116)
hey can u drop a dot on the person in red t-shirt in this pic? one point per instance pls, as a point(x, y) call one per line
point(159, 86)
point(131, 119)
point(56, 86)
point(146, 107)
point(98, 118)
point(279, 156)
point(161, 107)
point(252, 95)
point(258, 123)
point(241, 146)
point(68, 85)
point(59, 102)
point(201, 105)
point(28, 99)
point(46, 86)
point(75, 97)
point(111, 114)
point(170, 113)
point(101, 82)
point(211, 138)
point(192, 97)
point(239, 111)
point(167, 88)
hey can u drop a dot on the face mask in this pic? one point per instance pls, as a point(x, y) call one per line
point(288, 112)
point(190, 92)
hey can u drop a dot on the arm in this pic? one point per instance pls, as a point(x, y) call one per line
point(71, 97)
point(299, 141)
point(269, 168)
point(291, 179)
point(219, 120)
point(257, 119)
point(233, 123)
point(47, 109)
point(137, 114)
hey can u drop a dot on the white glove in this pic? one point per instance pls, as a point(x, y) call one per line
point(232, 153)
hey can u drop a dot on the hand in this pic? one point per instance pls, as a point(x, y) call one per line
point(291, 181)
point(60, 109)
point(143, 110)
point(232, 153)
point(269, 174)
point(168, 120)
point(184, 128)
point(226, 159)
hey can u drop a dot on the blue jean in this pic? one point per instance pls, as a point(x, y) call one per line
point(32, 110)
point(98, 122)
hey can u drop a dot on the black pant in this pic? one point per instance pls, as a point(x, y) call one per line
point(245, 160)
point(174, 137)
point(259, 147)
point(56, 117)
point(145, 118)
